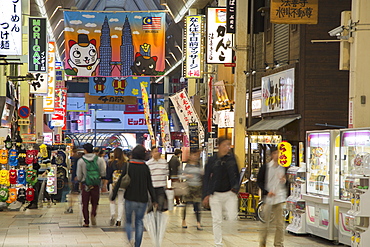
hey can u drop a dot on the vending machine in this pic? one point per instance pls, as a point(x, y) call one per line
point(321, 156)
point(354, 185)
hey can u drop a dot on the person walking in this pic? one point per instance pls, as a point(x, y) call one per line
point(174, 167)
point(193, 174)
point(220, 186)
point(159, 172)
point(114, 170)
point(136, 195)
point(74, 184)
point(90, 170)
point(272, 181)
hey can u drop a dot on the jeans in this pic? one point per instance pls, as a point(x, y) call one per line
point(93, 196)
point(277, 210)
point(161, 198)
point(120, 201)
point(222, 204)
point(139, 209)
point(196, 210)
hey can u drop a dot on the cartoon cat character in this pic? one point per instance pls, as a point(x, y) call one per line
point(99, 84)
point(83, 56)
point(144, 65)
point(119, 86)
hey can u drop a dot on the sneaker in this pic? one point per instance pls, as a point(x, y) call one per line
point(112, 220)
point(93, 220)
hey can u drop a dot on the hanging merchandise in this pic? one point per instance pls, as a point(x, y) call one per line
point(21, 195)
point(18, 141)
point(60, 158)
point(8, 142)
point(30, 194)
point(13, 176)
point(4, 192)
point(12, 195)
point(44, 151)
point(13, 157)
point(21, 179)
point(51, 183)
point(4, 177)
point(4, 156)
point(31, 156)
point(31, 177)
point(22, 156)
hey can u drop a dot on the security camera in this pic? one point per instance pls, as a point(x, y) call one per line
point(336, 31)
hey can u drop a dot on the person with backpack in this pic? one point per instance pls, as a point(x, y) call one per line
point(114, 171)
point(90, 170)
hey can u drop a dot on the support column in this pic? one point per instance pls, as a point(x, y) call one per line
point(240, 83)
point(359, 91)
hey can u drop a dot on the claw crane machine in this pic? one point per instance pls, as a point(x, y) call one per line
point(321, 156)
point(354, 185)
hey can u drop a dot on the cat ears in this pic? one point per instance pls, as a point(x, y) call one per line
point(138, 54)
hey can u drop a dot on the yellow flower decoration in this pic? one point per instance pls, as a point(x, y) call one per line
point(135, 91)
point(145, 83)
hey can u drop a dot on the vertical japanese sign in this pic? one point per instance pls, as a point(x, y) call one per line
point(231, 16)
point(49, 99)
point(147, 111)
point(40, 85)
point(58, 119)
point(186, 112)
point(219, 42)
point(193, 136)
point(165, 127)
point(294, 12)
point(194, 44)
point(37, 45)
point(11, 27)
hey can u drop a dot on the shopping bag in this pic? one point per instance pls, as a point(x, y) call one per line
point(180, 188)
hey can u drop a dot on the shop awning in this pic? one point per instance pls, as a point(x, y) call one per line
point(272, 124)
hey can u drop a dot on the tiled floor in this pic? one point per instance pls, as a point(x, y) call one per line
point(51, 227)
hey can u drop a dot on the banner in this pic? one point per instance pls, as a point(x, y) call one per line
point(59, 118)
point(186, 112)
point(194, 29)
point(37, 45)
point(294, 12)
point(113, 86)
point(11, 27)
point(144, 96)
point(219, 43)
point(49, 99)
point(40, 85)
point(117, 100)
point(114, 44)
point(231, 16)
point(165, 127)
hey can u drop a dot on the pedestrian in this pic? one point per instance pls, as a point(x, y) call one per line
point(220, 187)
point(272, 181)
point(74, 184)
point(193, 174)
point(136, 195)
point(90, 170)
point(114, 171)
point(174, 167)
point(159, 172)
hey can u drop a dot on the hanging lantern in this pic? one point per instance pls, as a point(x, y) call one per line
point(285, 154)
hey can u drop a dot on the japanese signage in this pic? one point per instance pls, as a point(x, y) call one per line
point(114, 86)
point(219, 42)
point(165, 127)
point(278, 92)
point(125, 100)
point(76, 104)
point(40, 85)
point(186, 112)
point(194, 44)
point(58, 119)
point(225, 119)
point(11, 27)
point(113, 44)
point(193, 136)
point(231, 16)
point(285, 154)
point(144, 96)
point(134, 122)
point(49, 99)
point(294, 12)
point(37, 45)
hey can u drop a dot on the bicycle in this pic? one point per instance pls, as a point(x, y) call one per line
point(260, 213)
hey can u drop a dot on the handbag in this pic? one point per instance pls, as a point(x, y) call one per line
point(125, 180)
point(180, 188)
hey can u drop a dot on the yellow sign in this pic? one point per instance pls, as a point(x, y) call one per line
point(285, 154)
point(145, 98)
point(294, 12)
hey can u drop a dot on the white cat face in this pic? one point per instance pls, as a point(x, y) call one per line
point(83, 55)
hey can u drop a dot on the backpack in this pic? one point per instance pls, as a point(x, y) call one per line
point(31, 177)
point(4, 156)
point(62, 177)
point(30, 194)
point(12, 195)
point(92, 172)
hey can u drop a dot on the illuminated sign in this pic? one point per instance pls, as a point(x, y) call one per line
point(285, 154)
point(49, 100)
point(11, 27)
point(194, 44)
point(37, 45)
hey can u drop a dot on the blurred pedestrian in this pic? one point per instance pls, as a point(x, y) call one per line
point(193, 174)
point(272, 181)
point(220, 186)
point(174, 167)
point(136, 195)
point(114, 171)
point(74, 184)
point(90, 170)
point(159, 172)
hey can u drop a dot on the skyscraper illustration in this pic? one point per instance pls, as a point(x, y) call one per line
point(105, 50)
point(126, 49)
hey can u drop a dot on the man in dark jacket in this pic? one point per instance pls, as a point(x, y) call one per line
point(220, 186)
point(173, 167)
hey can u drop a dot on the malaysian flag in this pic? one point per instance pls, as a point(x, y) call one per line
point(152, 23)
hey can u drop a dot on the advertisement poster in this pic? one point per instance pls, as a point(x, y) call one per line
point(193, 136)
point(219, 42)
point(37, 45)
point(278, 92)
point(114, 43)
point(11, 27)
point(194, 44)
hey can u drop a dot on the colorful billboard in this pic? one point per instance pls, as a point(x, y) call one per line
point(116, 44)
point(49, 103)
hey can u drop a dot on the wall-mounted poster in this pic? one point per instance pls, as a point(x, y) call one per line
point(114, 43)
